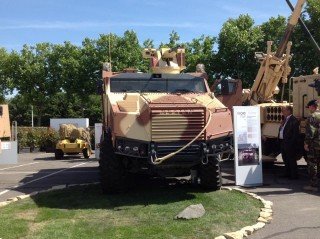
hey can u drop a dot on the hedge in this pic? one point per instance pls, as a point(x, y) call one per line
point(37, 137)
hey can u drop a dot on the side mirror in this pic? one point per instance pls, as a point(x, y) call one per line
point(217, 89)
point(99, 85)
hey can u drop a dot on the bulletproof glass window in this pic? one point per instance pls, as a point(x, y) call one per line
point(227, 87)
point(157, 85)
point(184, 86)
point(217, 90)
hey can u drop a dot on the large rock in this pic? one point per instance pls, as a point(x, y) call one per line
point(191, 212)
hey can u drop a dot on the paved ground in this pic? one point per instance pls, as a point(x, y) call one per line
point(297, 213)
point(39, 171)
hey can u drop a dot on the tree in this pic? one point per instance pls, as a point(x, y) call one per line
point(9, 62)
point(200, 50)
point(90, 70)
point(20, 110)
point(34, 79)
point(273, 30)
point(173, 40)
point(305, 58)
point(148, 43)
point(3, 76)
point(238, 40)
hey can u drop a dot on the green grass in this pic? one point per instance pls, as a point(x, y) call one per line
point(83, 212)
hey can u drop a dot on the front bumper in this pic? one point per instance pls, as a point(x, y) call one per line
point(193, 153)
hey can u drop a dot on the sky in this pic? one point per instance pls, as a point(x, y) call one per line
point(55, 21)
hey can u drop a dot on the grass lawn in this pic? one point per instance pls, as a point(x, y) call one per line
point(83, 212)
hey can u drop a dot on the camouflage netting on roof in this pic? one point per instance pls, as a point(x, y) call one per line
point(80, 133)
point(69, 131)
point(65, 130)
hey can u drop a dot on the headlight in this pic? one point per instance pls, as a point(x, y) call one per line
point(130, 147)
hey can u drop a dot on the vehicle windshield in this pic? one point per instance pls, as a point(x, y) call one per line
point(194, 85)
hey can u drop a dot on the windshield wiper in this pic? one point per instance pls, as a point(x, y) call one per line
point(183, 91)
point(153, 91)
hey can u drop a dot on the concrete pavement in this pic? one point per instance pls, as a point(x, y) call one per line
point(296, 212)
point(40, 171)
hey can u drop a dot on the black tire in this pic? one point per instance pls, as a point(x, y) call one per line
point(210, 174)
point(58, 154)
point(113, 175)
point(86, 153)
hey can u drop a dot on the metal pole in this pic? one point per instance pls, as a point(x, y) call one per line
point(32, 116)
point(15, 130)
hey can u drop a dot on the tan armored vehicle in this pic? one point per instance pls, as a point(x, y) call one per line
point(163, 123)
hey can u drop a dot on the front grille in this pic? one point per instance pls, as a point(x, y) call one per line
point(177, 125)
point(191, 151)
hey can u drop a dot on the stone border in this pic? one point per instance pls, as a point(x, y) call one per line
point(265, 217)
point(57, 187)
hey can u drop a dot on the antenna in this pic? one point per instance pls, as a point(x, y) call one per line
point(110, 53)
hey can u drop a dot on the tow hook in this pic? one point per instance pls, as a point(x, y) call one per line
point(205, 151)
point(153, 154)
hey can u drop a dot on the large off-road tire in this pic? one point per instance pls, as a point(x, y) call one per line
point(210, 174)
point(86, 153)
point(112, 172)
point(58, 154)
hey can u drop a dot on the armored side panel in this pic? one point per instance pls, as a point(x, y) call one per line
point(302, 93)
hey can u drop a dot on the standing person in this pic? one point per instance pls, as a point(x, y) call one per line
point(312, 145)
point(288, 136)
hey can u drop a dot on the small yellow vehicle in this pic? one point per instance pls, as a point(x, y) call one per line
point(66, 147)
point(73, 141)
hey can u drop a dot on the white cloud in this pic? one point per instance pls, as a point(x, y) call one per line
point(88, 24)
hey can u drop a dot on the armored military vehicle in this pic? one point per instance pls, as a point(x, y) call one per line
point(73, 141)
point(274, 67)
point(163, 123)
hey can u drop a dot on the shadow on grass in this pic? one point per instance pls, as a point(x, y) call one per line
point(157, 191)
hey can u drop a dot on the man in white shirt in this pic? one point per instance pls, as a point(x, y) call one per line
point(288, 136)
